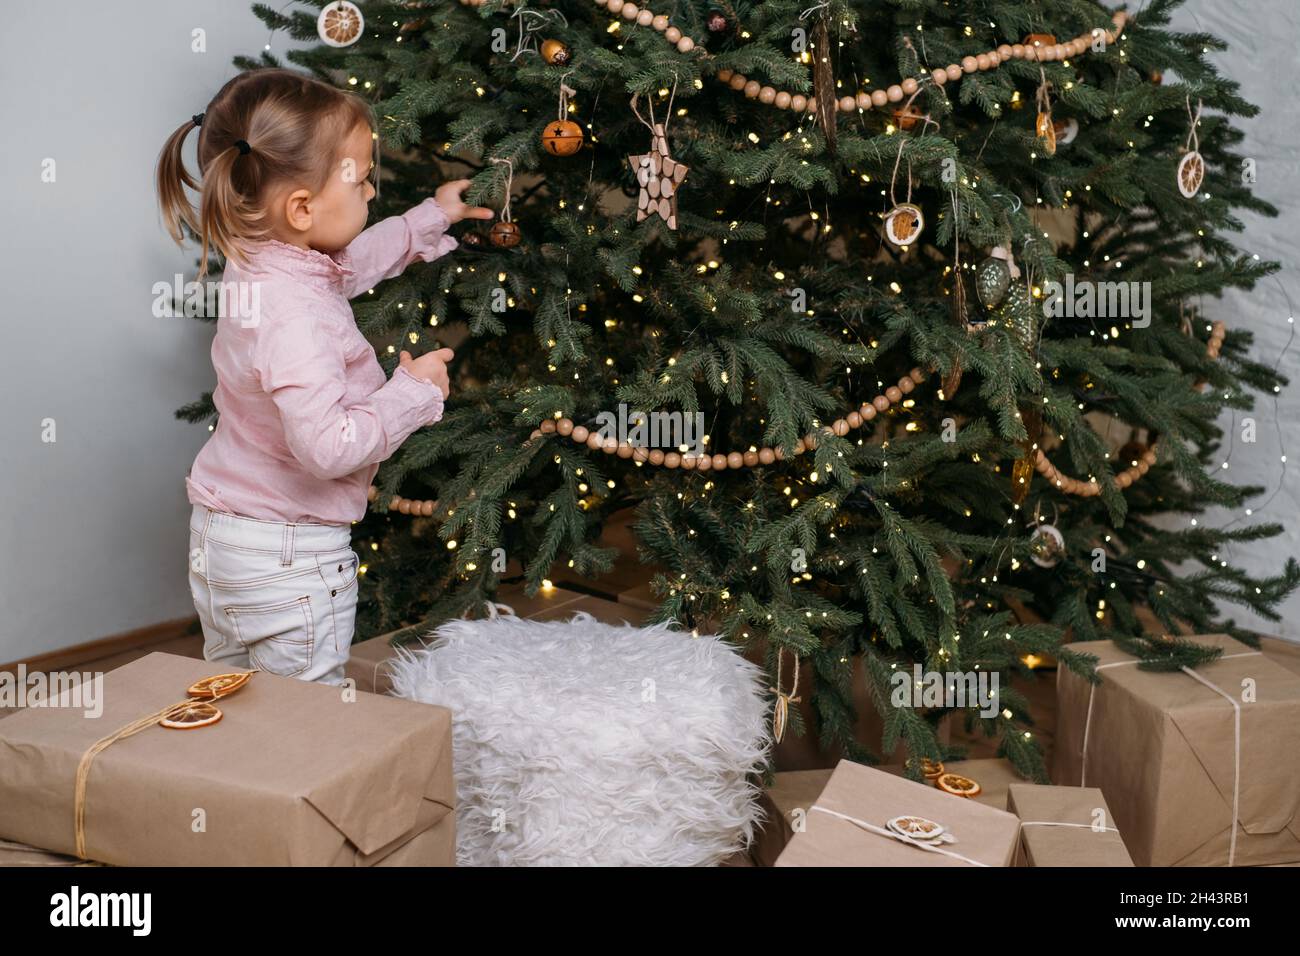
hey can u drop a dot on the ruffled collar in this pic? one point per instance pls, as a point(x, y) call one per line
point(307, 264)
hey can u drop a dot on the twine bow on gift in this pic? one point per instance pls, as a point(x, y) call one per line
point(170, 712)
point(1236, 739)
point(881, 831)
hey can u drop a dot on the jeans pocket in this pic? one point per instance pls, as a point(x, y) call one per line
point(338, 569)
point(279, 637)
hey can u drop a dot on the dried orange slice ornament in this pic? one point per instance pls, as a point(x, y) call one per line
point(903, 224)
point(957, 785)
point(219, 685)
point(1191, 172)
point(191, 715)
point(340, 23)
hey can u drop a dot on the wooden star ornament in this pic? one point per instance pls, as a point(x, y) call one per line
point(659, 176)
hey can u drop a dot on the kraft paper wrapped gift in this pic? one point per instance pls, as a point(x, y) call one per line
point(436, 846)
point(294, 774)
point(848, 825)
point(1065, 826)
point(1195, 774)
point(785, 806)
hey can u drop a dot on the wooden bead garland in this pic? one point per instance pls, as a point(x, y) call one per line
point(1091, 488)
point(734, 460)
point(1035, 51)
point(765, 456)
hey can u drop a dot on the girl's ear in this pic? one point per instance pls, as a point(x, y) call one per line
point(297, 210)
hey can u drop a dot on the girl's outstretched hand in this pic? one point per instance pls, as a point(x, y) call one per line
point(449, 197)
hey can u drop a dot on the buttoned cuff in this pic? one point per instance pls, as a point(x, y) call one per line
point(426, 399)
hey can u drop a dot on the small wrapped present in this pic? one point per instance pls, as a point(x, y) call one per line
point(1201, 767)
point(1065, 826)
point(866, 817)
point(292, 774)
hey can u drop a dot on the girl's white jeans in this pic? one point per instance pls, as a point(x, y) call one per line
point(273, 596)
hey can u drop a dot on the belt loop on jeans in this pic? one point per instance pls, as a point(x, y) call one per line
point(286, 545)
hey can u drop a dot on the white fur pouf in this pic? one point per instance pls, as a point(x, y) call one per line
point(582, 743)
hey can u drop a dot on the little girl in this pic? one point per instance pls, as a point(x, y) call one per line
point(306, 413)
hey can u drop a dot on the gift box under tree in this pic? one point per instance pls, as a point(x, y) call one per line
point(293, 773)
point(866, 817)
point(1200, 767)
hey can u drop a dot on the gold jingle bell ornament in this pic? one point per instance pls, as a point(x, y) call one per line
point(505, 235)
point(562, 137)
point(907, 117)
point(554, 52)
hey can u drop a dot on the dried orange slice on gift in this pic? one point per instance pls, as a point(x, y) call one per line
point(918, 828)
point(957, 785)
point(191, 715)
point(218, 685)
point(929, 768)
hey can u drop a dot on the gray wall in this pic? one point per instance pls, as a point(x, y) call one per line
point(94, 524)
point(1263, 38)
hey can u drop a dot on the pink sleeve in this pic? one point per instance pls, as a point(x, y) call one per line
point(388, 247)
point(300, 363)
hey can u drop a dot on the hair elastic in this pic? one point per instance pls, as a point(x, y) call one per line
point(197, 118)
point(244, 148)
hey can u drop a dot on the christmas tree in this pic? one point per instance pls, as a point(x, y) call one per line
point(937, 279)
